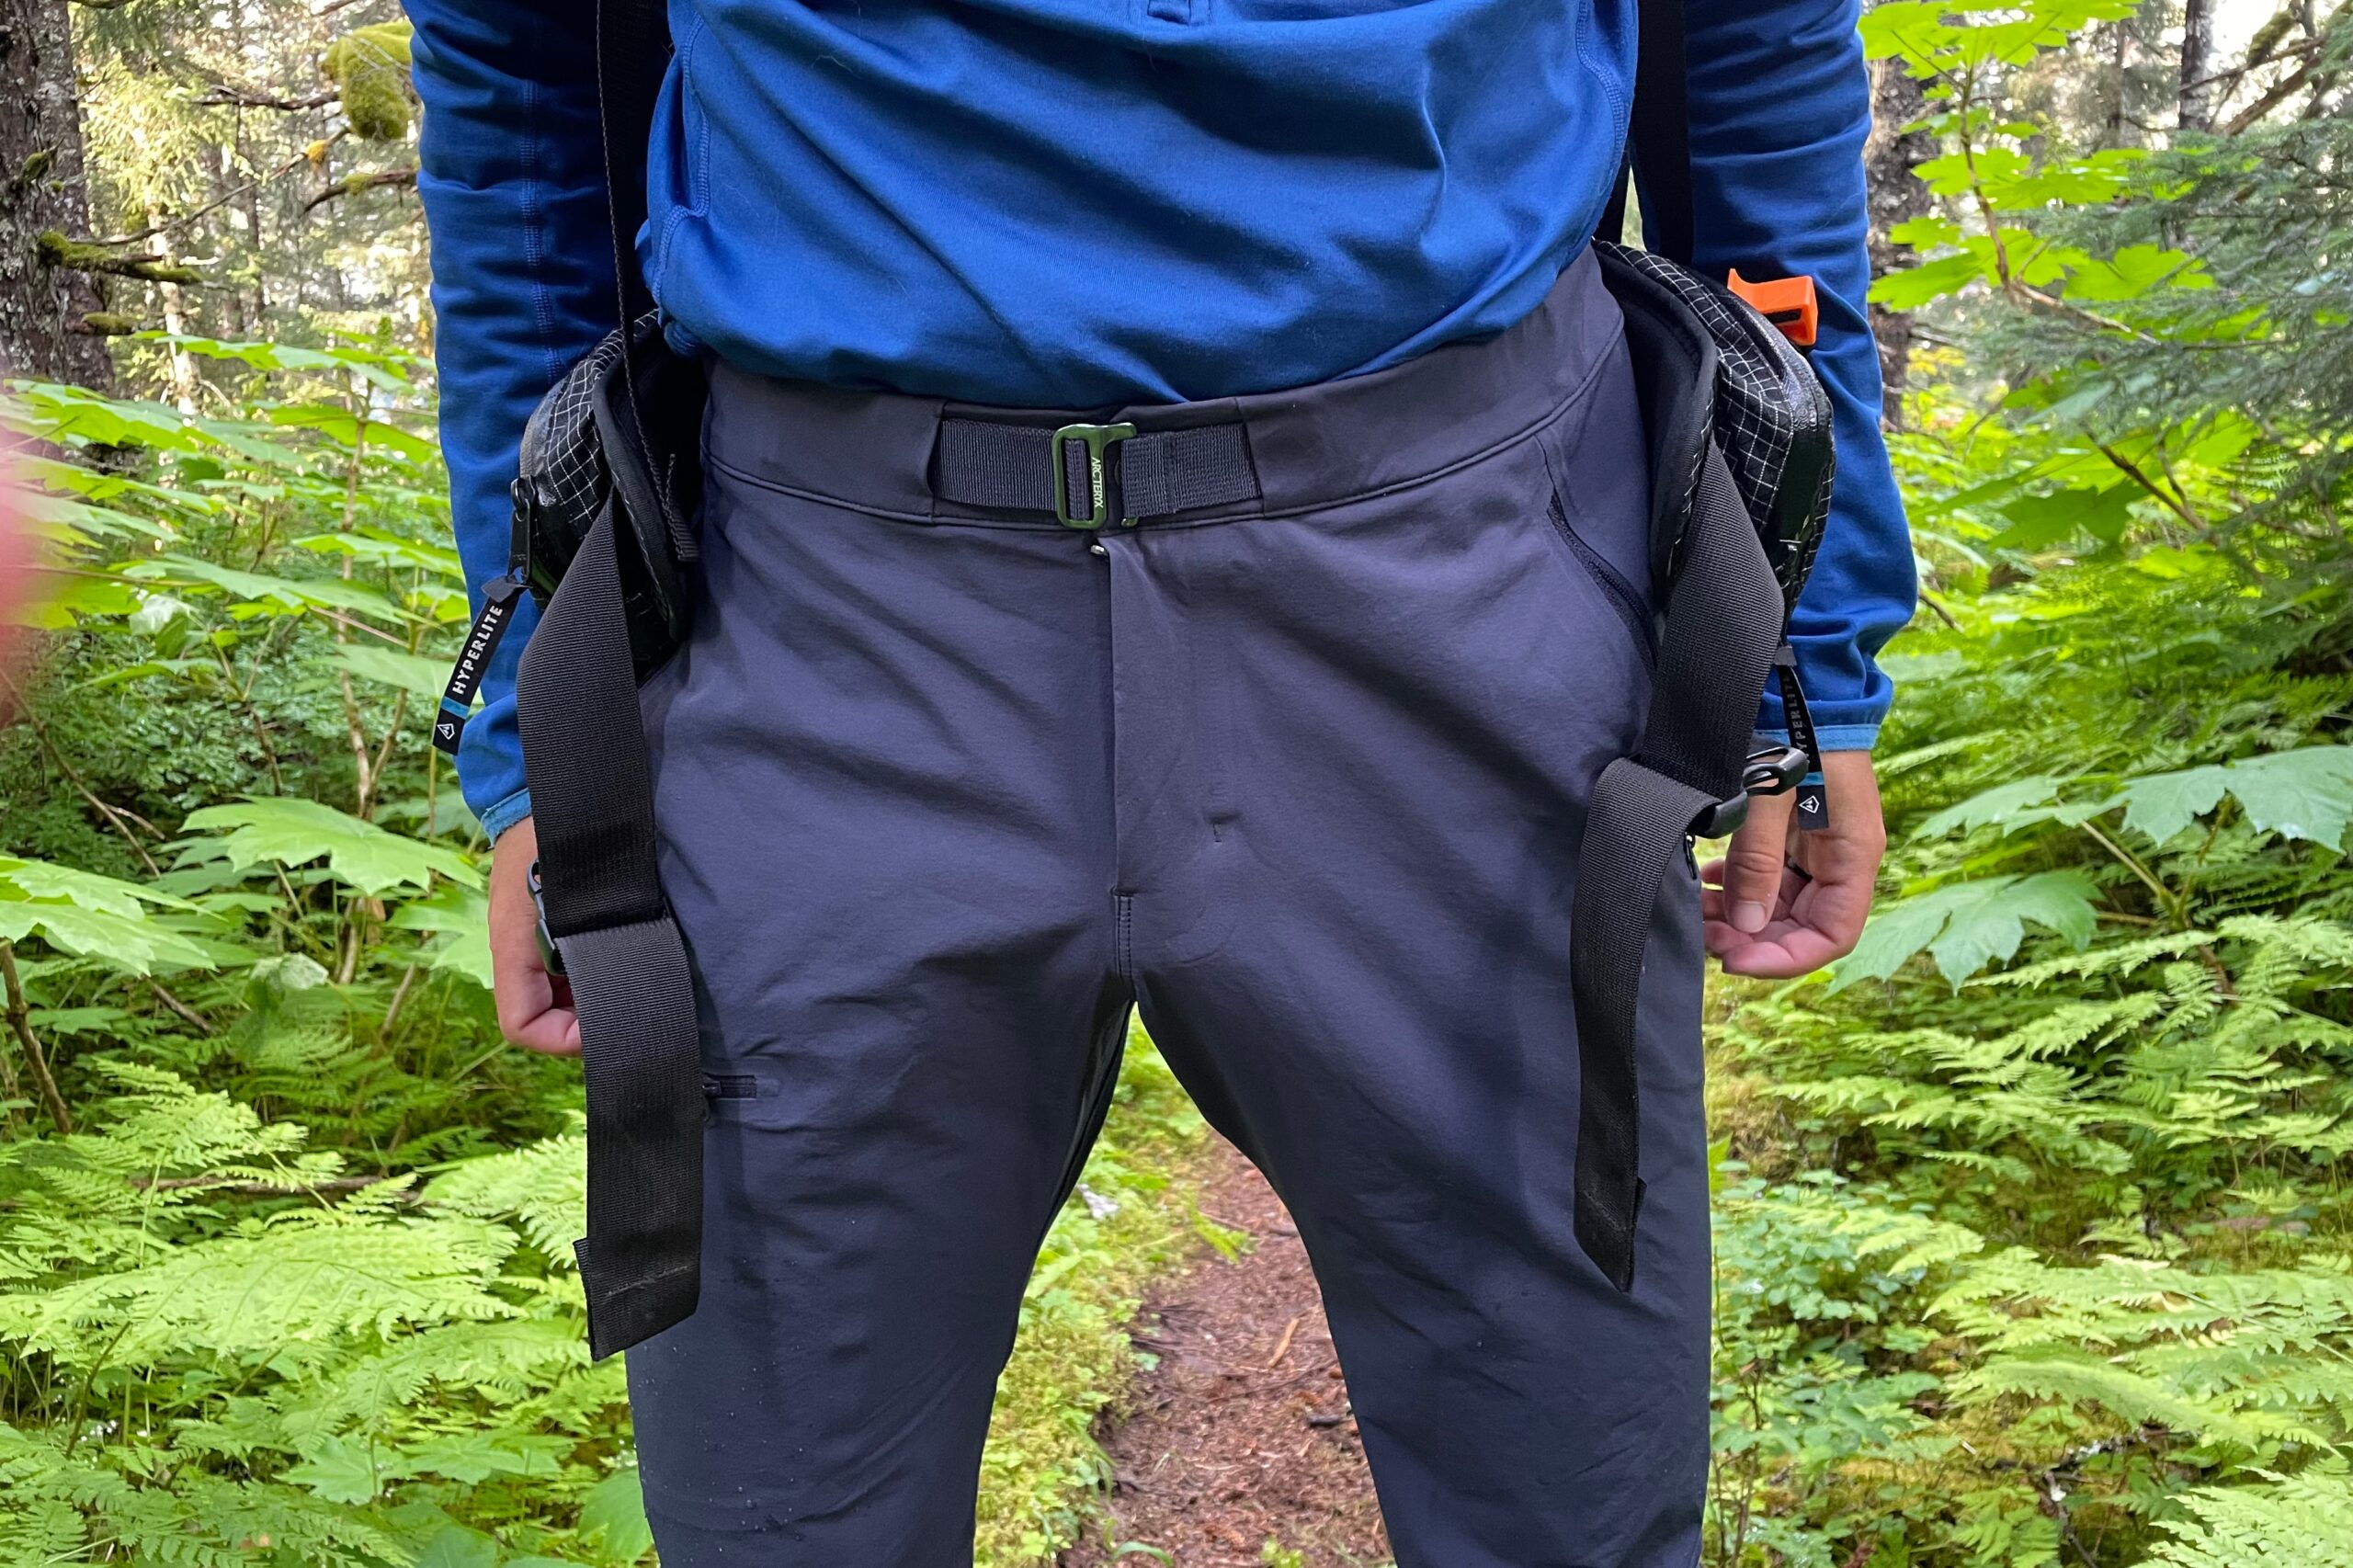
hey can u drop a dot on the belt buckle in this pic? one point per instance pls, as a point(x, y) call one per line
point(1097, 440)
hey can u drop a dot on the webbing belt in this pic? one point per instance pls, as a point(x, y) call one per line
point(1724, 621)
point(1035, 468)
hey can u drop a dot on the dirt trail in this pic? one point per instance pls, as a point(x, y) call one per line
point(1242, 1432)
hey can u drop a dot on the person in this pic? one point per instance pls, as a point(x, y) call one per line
point(1295, 765)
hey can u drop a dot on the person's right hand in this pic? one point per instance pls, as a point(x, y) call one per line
point(534, 1006)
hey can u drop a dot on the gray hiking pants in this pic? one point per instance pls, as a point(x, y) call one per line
point(944, 793)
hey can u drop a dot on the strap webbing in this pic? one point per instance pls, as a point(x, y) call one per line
point(1724, 621)
point(1658, 138)
point(1011, 468)
point(633, 52)
point(592, 805)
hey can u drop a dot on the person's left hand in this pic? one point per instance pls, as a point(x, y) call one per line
point(1781, 903)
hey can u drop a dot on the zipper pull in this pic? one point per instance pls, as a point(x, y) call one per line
point(498, 602)
point(1813, 794)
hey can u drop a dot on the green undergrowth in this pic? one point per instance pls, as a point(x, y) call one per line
point(1135, 1214)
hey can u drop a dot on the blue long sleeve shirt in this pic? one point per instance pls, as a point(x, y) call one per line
point(1082, 203)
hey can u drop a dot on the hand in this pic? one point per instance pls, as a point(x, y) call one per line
point(534, 1006)
point(1781, 903)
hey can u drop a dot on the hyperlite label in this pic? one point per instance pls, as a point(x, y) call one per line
point(1813, 800)
point(498, 602)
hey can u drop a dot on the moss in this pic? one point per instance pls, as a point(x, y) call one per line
point(79, 256)
point(370, 66)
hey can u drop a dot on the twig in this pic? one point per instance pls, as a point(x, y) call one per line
point(352, 185)
point(227, 94)
point(182, 1008)
point(1283, 1348)
point(20, 1022)
point(392, 1010)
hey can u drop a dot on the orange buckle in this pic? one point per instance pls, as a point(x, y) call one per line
point(1787, 302)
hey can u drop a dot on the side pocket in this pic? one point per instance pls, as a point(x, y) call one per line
point(1623, 595)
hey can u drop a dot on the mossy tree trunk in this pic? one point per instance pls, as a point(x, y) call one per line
point(42, 190)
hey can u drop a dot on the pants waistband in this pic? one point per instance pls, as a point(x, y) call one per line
point(1310, 446)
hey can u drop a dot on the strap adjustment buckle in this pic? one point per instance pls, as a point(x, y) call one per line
point(551, 958)
point(1770, 771)
point(1097, 440)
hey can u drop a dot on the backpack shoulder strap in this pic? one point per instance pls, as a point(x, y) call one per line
point(633, 53)
point(1658, 138)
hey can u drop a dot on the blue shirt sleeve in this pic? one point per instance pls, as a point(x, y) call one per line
point(1781, 106)
point(511, 173)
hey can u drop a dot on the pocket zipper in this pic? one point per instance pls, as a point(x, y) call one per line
point(730, 1087)
point(1611, 582)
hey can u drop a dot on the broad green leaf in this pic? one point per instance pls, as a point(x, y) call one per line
point(340, 1470)
point(109, 895)
point(2134, 271)
point(392, 372)
point(457, 1547)
point(94, 916)
point(474, 1457)
point(1987, 808)
point(1910, 287)
point(412, 673)
point(1965, 926)
point(612, 1512)
point(290, 832)
point(460, 918)
point(385, 550)
point(2306, 793)
point(2162, 804)
point(343, 426)
point(2037, 522)
point(254, 587)
point(55, 598)
point(2298, 794)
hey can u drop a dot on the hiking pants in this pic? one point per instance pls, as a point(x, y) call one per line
point(945, 792)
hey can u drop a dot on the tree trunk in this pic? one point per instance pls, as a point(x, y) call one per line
point(2197, 89)
point(42, 190)
point(1889, 158)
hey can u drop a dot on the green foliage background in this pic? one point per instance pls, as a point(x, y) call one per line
point(2034, 1246)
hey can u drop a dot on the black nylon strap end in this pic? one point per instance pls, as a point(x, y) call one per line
point(1605, 1227)
point(641, 1052)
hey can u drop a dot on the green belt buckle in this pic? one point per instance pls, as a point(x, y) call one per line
point(1097, 440)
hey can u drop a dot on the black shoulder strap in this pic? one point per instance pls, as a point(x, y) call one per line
point(633, 52)
point(1658, 139)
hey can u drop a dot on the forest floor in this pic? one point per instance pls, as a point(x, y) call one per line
point(1241, 1435)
